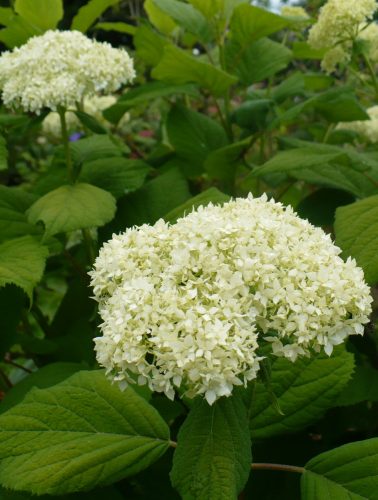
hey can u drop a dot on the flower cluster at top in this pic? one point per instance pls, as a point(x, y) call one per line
point(366, 128)
point(93, 106)
point(60, 68)
point(186, 306)
point(339, 23)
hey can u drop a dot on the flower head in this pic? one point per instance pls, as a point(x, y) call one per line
point(338, 25)
point(60, 68)
point(188, 305)
point(293, 11)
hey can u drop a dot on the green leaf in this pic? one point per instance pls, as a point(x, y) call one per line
point(356, 229)
point(362, 387)
point(44, 14)
point(222, 163)
point(79, 434)
point(117, 175)
point(213, 454)
point(119, 27)
point(253, 114)
point(320, 206)
point(149, 45)
point(22, 262)
point(45, 377)
point(211, 195)
point(177, 67)
point(346, 473)
point(304, 391)
point(194, 135)
point(162, 21)
point(90, 123)
point(217, 9)
point(6, 15)
point(13, 222)
point(139, 95)
point(93, 148)
point(17, 32)
point(302, 50)
point(329, 166)
point(72, 207)
point(260, 60)
point(88, 14)
point(189, 18)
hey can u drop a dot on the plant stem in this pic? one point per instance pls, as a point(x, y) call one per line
point(17, 365)
point(89, 245)
point(6, 379)
point(281, 467)
point(66, 143)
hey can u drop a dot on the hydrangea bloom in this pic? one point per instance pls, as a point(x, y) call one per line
point(93, 105)
point(292, 11)
point(187, 305)
point(60, 68)
point(367, 128)
point(370, 35)
point(338, 25)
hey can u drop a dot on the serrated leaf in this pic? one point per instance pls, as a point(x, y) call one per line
point(213, 454)
point(93, 148)
point(356, 228)
point(119, 176)
point(194, 135)
point(346, 473)
point(79, 434)
point(88, 14)
point(44, 14)
point(262, 59)
point(72, 207)
point(177, 66)
point(211, 195)
point(48, 375)
point(22, 262)
point(304, 391)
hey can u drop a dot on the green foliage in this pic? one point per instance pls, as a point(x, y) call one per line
point(44, 14)
point(90, 425)
point(213, 454)
point(72, 207)
point(304, 390)
point(357, 234)
point(88, 14)
point(22, 261)
point(348, 472)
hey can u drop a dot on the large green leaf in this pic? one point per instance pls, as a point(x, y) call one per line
point(162, 21)
point(217, 10)
point(356, 228)
point(177, 66)
point(362, 387)
point(13, 222)
point(94, 147)
point(349, 472)
point(221, 164)
point(72, 207)
point(6, 15)
point(213, 455)
point(119, 176)
point(18, 31)
point(304, 391)
point(194, 135)
point(22, 261)
point(211, 195)
point(116, 26)
point(260, 60)
point(88, 14)
point(78, 434)
point(12, 300)
point(149, 44)
point(3, 154)
point(188, 17)
point(44, 14)
point(143, 93)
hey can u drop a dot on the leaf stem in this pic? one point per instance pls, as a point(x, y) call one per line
point(280, 467)
point(66, 143)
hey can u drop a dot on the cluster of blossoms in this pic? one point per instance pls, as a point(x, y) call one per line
point(188, 305)
point(290, 11)
point(338, 25)
point(60, 68)
point(93, 106)
point(366, 128)
point(369, 34)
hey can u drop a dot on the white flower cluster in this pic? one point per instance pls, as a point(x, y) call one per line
point(187, 305)
point(60, 68)
point(338, 25)
point(292, 11)
point(93, 106)
point(367, 128)
point(370, 35)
